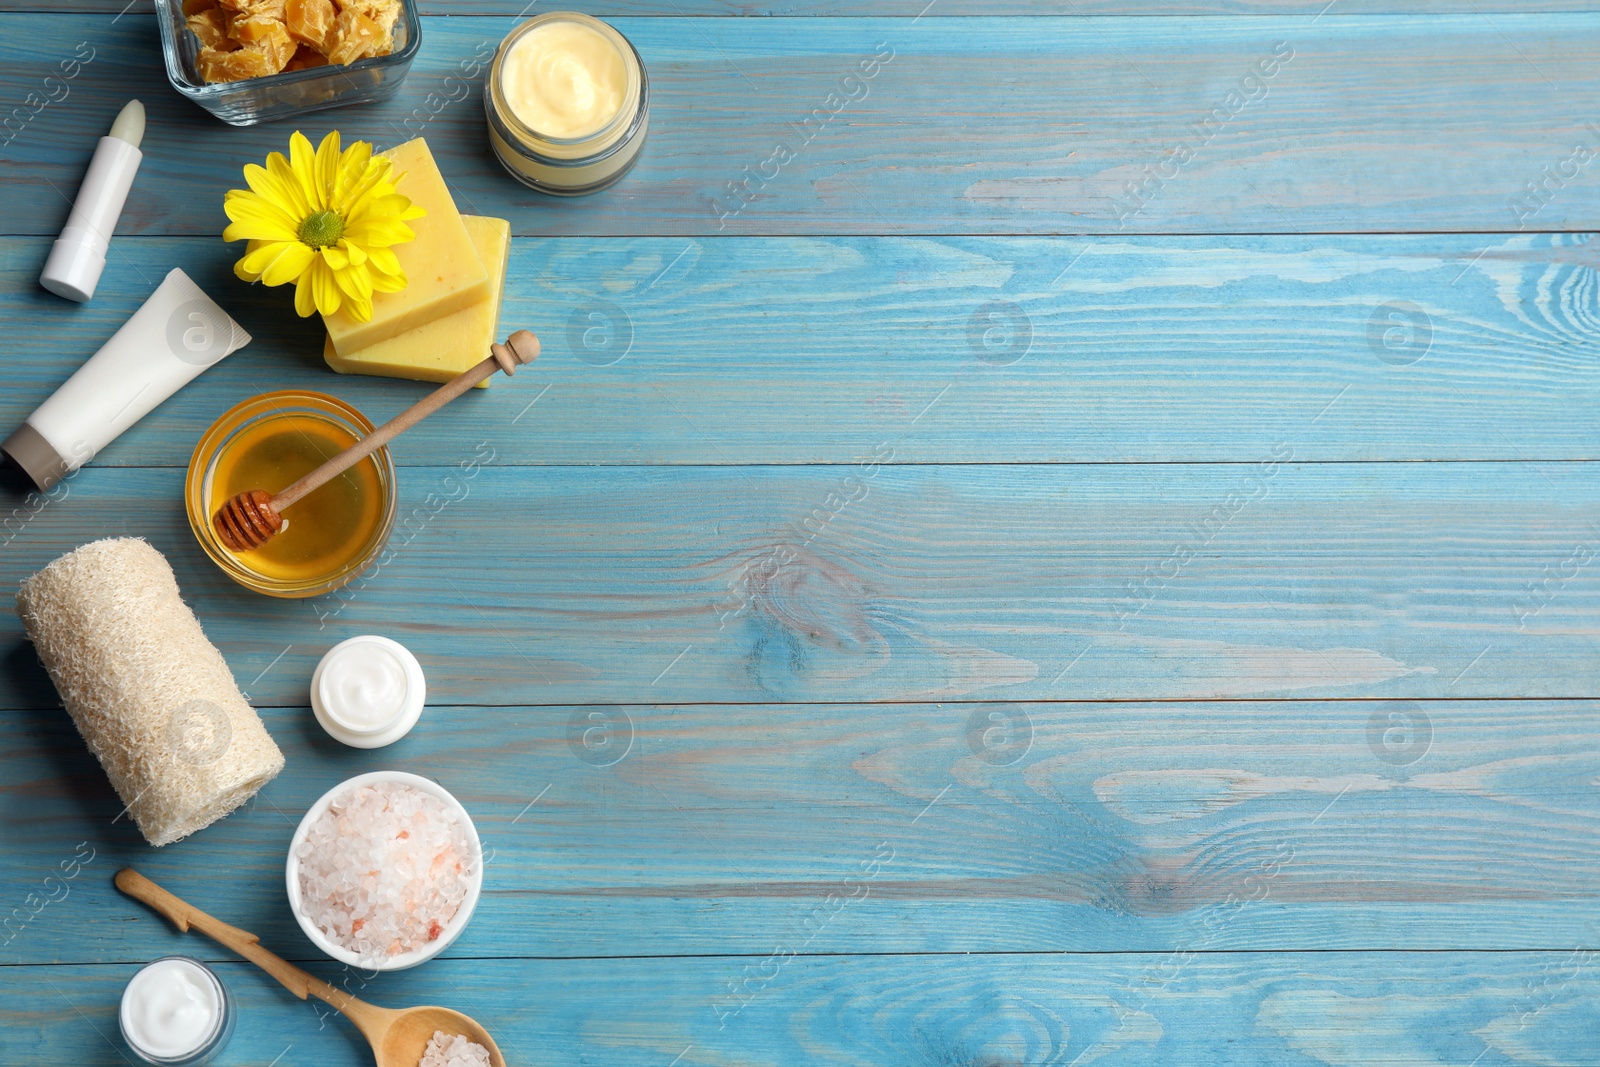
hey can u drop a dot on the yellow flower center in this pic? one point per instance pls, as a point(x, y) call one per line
point(321, 229)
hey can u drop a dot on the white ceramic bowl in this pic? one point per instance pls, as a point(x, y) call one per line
point(453, 928)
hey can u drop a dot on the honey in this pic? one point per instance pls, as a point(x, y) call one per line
point(267, 443)
point(326, 528)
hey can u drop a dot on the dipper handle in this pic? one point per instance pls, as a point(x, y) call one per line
point(251, 519)
point(521, 347)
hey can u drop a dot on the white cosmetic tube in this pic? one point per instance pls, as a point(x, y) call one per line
point(176, 334)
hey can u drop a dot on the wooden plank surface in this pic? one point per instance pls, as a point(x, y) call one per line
point(1080, 567)
point(770, 584)
point(698, 351)
point(1003, 125)
point(673, 830)
point(1300, 1010)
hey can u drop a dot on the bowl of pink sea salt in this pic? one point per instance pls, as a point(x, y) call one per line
point(384, 871)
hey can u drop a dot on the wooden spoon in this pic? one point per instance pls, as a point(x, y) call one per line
point(251, 518)
point(398, 1038)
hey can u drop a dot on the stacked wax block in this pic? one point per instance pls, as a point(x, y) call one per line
point(444, 320)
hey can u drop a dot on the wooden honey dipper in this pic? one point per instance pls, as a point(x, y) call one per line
point(252, 518)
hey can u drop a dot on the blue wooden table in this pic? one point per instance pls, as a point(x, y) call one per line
point(1077, 548)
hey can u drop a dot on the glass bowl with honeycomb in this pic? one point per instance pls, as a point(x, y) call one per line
point(250, 61)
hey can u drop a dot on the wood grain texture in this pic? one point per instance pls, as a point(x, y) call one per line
point(966, 130)
point(1151, 349)
point(685, 830)
point(1291, 1010)
point(874, 583)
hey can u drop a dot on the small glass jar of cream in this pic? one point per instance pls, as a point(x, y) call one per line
point(568, 103)
point(176, 1012)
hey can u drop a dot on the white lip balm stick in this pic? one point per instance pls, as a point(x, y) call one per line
point(79, 254)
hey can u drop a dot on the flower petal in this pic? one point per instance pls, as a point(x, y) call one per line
point(245, 275)
point(398, 206)
point(267, 182)
point(357, 254)
point(324, 289)
point(260, 254)
point(260, 181)
point(335, 257)
point(359, 198)
point(290, 193)
point(384, 261)
point(303, 162)
point(287, 266)
point(354, 165)
point(256, 218)
point(388, 283)
point(360, 308)
point(378, 232)
point(304, 303)
point(326, 172)
point(355, 282)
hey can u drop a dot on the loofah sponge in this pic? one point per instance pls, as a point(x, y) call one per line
point(152, 697)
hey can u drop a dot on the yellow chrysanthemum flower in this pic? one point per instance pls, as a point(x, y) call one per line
point(325, 220)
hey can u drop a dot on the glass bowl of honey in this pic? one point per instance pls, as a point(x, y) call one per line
point(330, 535)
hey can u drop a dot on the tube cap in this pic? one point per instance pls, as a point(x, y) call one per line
point(75, 263)
point(37, 457)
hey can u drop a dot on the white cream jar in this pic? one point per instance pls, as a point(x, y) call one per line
point(568, 103)
point(368, 691)
point(176, 1013)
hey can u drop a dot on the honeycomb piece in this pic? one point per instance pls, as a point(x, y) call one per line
point(252, 30)
point(267, 9)
point(355, 37)
point(287, 34)
point(310, 21)
point(218, 66)
point(274, 43)
point(212, 30)
point(305, 57)
point(384, 12)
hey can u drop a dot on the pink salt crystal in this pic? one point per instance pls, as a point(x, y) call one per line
point(384, 869)
point(447, 1050)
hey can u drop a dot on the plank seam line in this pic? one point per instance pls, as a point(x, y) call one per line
point(1131, 953)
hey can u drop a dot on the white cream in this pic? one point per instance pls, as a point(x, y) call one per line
point(564, 79)
point(368, 691)
point(171, 1009)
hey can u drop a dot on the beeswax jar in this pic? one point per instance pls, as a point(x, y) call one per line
point(568, 103)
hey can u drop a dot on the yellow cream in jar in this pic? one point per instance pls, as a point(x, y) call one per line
point(564, 79)
point(568, 103)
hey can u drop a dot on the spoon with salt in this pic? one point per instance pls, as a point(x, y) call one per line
point(398, 1036)
point(251, 518)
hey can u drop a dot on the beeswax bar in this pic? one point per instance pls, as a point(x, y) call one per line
point(442, 268)
point(439, 350)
